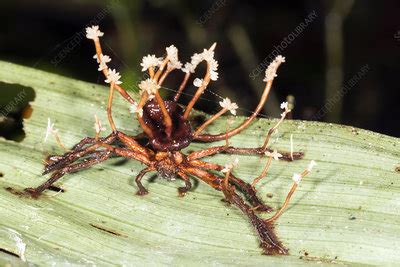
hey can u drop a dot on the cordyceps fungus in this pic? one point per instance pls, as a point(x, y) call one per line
point(166, 127)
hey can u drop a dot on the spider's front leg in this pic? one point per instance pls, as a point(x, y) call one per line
point(100, 157)
point(61, 165)
point(81, 149)
point(98, 151)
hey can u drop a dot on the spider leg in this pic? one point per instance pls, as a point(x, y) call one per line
point(241, 185)
point(142, 190)
point(240, 151)
point(133, 144)
point(56, 162)
point(188, 185)
point(36, 192)
point(83, 142)
point(60, 165)
point(269, 241)
point(97, 157)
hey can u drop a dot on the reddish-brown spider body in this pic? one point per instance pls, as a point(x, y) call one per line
point(181, 135)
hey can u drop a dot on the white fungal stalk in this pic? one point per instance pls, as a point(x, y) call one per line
point(270, 72)
point(208, 56)
point(274, 154)
point(103, 60)
point(226, 103)
point(150, 86)
point(172, 55)
point(98, 126)
point(229, 166)
point(93, 32)
point(50, 130)
point(135, 109)
point(113, 77)
point(150, 61)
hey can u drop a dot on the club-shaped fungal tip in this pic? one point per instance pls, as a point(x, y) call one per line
point(213, 46)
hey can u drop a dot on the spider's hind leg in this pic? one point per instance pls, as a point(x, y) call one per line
point(250, 194)
point(245, 188)
point(268, 240)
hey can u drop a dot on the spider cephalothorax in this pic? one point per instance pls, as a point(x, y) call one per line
point(167, 130)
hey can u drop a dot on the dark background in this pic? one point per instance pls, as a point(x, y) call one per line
point(344, 37)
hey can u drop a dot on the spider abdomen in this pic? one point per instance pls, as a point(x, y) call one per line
point(181, 135)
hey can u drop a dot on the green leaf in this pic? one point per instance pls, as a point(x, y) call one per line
point(346, 211)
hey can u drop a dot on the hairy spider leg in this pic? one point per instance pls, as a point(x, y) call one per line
point(77, 151)
point(133, 144)
point(108, 152)
point(188, 185)
point(35, 192)
point(142, 190)
point(62, 165)
point(240, 151)
point(269, 241)
point(87, 141)
point(241, 185)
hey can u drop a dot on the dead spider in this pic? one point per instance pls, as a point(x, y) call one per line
point(166, 126)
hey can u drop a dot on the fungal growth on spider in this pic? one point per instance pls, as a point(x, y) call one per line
point(167, 128)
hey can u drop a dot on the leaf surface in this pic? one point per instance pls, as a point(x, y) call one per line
point(344, 212)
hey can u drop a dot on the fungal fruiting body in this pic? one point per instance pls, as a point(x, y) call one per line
point(167, 129)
